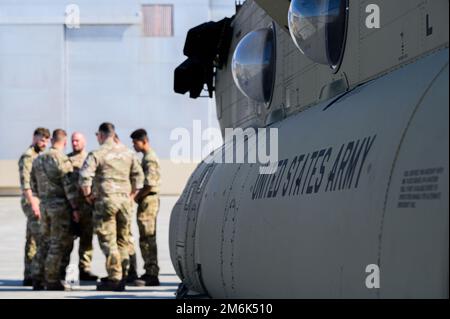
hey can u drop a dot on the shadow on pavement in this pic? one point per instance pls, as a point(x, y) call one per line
point(12, 285)
point(11, 282)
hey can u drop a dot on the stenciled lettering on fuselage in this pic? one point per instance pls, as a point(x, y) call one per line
point(325, 170)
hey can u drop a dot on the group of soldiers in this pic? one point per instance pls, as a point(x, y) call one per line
point(81, 194)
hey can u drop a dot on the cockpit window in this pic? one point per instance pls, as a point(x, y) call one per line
point(318, 28)
point(253, 65)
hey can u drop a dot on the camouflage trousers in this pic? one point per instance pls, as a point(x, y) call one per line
point(31, 237)
point(112, 226)
point(146, 219)
point(54, 241)
point(85, 249)
point(132, 252)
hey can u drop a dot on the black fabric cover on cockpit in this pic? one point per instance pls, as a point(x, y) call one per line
point(206, 47)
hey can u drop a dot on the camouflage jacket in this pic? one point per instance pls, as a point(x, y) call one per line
point(114, 167)
point(77, 160)
point(52, 173)
point(150, 166)
point(25, 166)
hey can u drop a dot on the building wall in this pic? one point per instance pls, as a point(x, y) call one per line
point(106, 70)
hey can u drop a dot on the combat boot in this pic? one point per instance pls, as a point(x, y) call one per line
point(111, 285)
point(27, 282)
point(87, 276)
point(56, 286)
point(132, 275)
point(38, 285)
point(147, 280)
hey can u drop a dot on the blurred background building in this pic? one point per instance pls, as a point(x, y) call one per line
point(116, 65)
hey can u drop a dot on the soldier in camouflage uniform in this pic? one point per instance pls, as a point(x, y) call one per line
point(118, 177)
point(132, 270)
point(52, 172)
point(86, 228)
point(148, 201)
point(29, 201)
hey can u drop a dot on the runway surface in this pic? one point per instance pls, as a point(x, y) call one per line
point(12, 232)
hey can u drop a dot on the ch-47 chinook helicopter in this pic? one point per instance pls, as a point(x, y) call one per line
point(358, 206)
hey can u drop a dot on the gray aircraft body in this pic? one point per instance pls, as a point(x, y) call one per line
point(358, 206)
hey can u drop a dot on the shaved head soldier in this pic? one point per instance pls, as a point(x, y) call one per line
point(118, 177)
point(78, 143)
point(52, 173)
point(86, 228)
point(29, 201)
point(148, 201)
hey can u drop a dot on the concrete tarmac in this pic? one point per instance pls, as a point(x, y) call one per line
point(12, 232)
